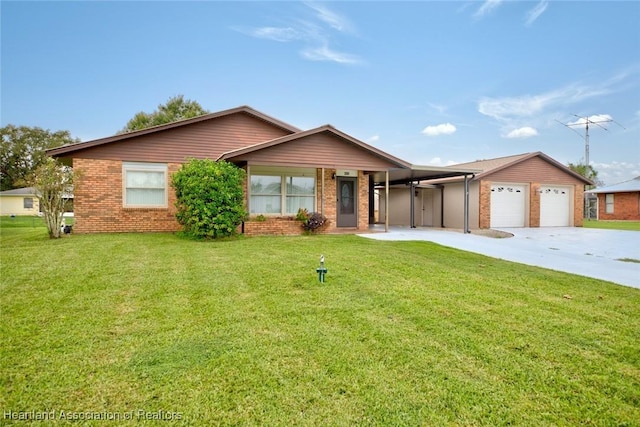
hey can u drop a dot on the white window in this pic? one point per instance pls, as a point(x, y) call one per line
point(266, 194)
point(608, 200)
point(281, 193)
point(301, 193)
point(144, 185)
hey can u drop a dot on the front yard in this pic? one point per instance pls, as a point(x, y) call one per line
point(612, 225)
point(240, 332)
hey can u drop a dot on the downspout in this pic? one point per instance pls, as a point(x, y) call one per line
point(386, 201)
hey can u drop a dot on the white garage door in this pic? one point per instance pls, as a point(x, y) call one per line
point(555, 206)
point(507, 205)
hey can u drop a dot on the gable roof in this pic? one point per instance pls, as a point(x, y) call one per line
point(491, 166)
point(230, 155)
point(70, 148)
point(630, 186)
point(28, 191)
point(25, 191)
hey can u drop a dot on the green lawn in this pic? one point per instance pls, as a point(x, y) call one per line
point(613, 225)
point(240, 332)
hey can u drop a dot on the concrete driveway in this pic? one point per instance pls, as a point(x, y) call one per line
point(587, 252)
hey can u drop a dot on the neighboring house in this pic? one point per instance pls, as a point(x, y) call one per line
point(526, 190)
point(125, 179)
point(19, 201)
point(619, 201)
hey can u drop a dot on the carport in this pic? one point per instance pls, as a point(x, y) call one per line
point(412, 177)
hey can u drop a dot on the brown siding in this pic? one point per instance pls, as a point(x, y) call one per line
point(533, 170)
point(324, 150)
point(207, 139)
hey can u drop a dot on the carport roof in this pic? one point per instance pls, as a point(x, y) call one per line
point(420, 173)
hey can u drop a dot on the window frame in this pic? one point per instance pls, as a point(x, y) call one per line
point(24, 203)
point(283, 174)
point(145, 167)
point(609, 204)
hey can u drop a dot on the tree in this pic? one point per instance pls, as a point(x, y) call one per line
point(23, 151)
point(52, 181)
point(209, 198)
point(176, 108)
point(587, 171)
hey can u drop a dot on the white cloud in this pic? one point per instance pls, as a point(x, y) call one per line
point(596, 119)
point(487, 7)
point(314, 33)
point(439, 108)
point(616, 172)
point(331, 18)
point(374, 138)
point(529, 105)
point(441, 129)
point(437, 161)
point(535, 12)
point(324, 53)
point(523, 132)
point(285, 34)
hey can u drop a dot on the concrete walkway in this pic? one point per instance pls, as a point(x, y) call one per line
point(587, 252)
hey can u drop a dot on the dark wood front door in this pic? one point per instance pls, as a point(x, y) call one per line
point(347, 202)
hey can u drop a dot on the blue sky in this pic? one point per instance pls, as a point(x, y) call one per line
point(434, 83)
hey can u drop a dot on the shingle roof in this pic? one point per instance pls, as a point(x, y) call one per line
point(630, 186)
point(26, 191)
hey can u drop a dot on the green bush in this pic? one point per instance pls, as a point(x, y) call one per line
point(210, 199)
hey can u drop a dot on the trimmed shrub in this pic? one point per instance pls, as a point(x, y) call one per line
point(210, 199)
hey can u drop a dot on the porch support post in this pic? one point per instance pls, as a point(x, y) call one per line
point(412, 203)
point(441, 206)
point(386, 201)
point(466, 204)
point(322, 193)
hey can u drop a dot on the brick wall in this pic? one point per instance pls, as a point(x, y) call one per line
point(578, 205)
point(283, 226)
point(534, 204)
point(363, 201)
point(98, 203)
point(99, 206)
point(485, 204)
point(326, 204)
point(626, 207)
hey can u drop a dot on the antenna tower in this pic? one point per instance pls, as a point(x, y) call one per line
point(587, 122)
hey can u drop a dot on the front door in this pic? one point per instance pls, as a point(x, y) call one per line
point(347, 202)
